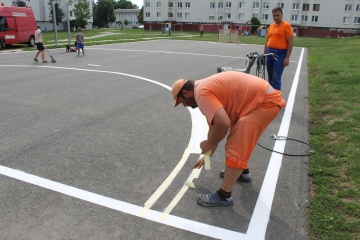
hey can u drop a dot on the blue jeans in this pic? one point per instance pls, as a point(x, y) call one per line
point(274, 67)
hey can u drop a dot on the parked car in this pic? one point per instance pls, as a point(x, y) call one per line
point(141, 27)
point(135, 27)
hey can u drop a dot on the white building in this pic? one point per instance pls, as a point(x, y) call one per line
point(41, 11)
point(308, 17)
point(130, 15)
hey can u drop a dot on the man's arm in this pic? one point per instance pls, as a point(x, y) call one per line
point(220, 128)
point(290, 41)
point(217, 132)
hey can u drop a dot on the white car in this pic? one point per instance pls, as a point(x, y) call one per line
point(141, 26)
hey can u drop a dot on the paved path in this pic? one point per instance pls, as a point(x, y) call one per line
point(91, 148)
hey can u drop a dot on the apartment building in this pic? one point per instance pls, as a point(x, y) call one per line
point(308, 17)
point(41, 11)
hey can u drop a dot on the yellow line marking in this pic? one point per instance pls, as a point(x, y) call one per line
point(194, 174)
point(207, 160)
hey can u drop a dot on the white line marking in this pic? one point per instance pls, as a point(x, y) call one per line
point(95, 65)
point(174, 221)
point(260, 218)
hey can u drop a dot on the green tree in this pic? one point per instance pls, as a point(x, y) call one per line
point(141, 16)
point(126, 22)
point(82, 13)
point(124, 4)
point(58, 11)
point(20, 3)
point(255, 24)
point(105, 12)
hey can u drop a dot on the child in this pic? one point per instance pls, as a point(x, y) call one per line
point(80, 41)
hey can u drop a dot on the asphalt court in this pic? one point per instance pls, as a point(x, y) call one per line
point(91, 148)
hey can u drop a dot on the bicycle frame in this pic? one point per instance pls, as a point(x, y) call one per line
point(252, 57)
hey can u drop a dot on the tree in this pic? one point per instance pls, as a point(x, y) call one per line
point(20, 3)
point(255, 23)
point(82, 13)
point(124, 4)
point(141, 16)
point(58, 11)
point(105, 12)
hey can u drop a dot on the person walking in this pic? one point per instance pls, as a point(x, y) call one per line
point(80, 41)
point(237, 105)
point(279, 41)
point(201, 30)
point(39, 42)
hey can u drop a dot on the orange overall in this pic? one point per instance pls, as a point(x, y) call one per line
point(249, 105)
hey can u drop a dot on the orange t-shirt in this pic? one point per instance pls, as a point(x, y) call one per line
point(238, 93)
point(276, 35)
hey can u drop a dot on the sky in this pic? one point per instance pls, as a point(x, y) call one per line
point(140, 3)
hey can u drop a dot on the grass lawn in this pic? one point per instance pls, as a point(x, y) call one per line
point(334, 89)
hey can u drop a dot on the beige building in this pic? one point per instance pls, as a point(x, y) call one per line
point(314, 17)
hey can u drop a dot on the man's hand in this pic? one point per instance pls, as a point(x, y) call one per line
point(286, 62)
point(205, 147)
point(199, 163)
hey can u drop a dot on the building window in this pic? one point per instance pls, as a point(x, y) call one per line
point(296, 6)
point(158, 4)
point(158, 14)
point(348, 7)
point(211, 16)
point(212, 5)
point(147, 14)
point(171, 4)
point(266, 5)
point(70, 13)
point(294, 18)
point(220, 5)
point(147, 4)
point(316, 7)
point(255, 15)
point(227, 15)
point(256, 5)
point(228, 5)
point(304, 18)
point(314, 19)
point(357, 20)
point(187, 15)
point(265, 17)
point(306, 7)
point(170, 14)
point(220, 17)
point(179, 5)
point(187, 5)
point(179, 15)
point(241, 16)
point(281, 5)
point(346, 20)
point(241, 4)
point(358, 8)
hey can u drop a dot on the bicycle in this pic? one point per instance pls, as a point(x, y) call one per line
point(253, 57)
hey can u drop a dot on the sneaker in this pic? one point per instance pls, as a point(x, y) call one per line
point(35, 60)
point(243, 177)
point(213, 200)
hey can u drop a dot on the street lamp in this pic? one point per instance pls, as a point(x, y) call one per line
point(54, 21)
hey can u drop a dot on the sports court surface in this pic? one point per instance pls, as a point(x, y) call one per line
point(91, 148)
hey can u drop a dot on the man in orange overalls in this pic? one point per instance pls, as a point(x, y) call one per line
point(237, 105)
